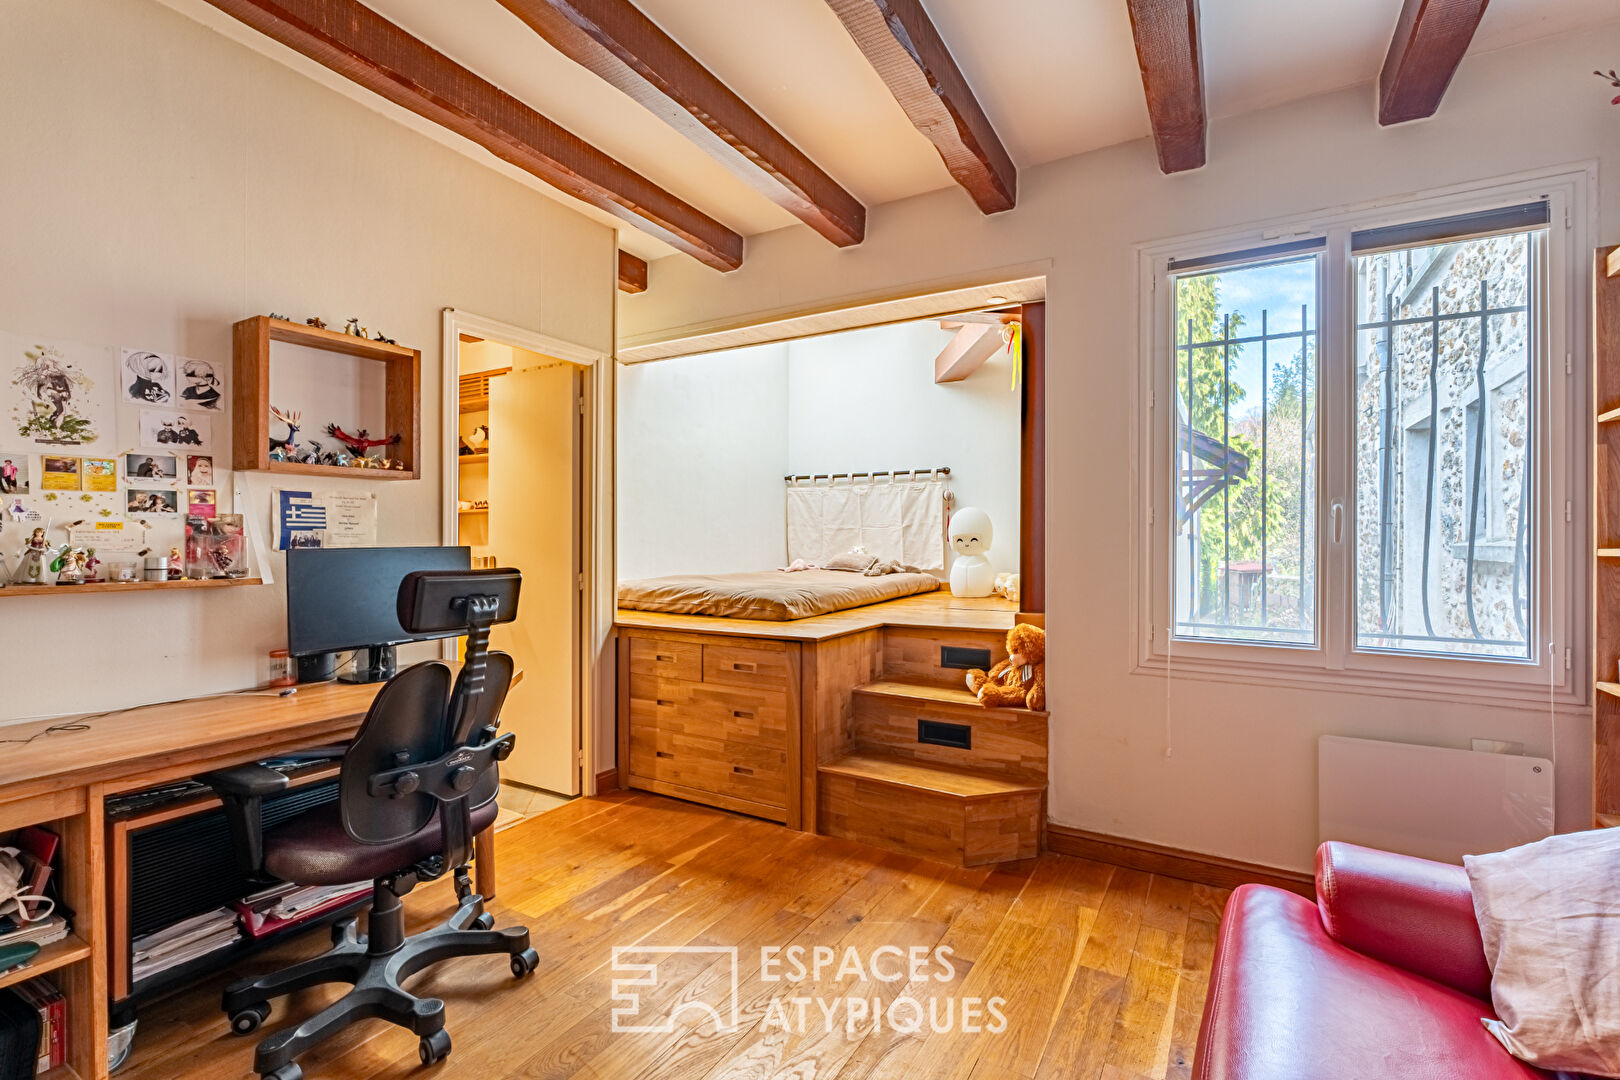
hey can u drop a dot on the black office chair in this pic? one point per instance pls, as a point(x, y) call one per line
point(418, 783)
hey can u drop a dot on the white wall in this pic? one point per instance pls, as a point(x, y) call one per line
point(866, 400)
point(705, 441)
point(1241, 781)
point(702, 453)
point(158, 182)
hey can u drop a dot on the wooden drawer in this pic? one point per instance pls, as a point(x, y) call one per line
point(741, 768)
point(749, 665)
point(710, 711)
point(666, 659)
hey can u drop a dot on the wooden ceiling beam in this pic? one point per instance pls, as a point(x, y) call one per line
point(1167, 50)
point(613, 39)
point(900, 42)
point(632, 273)
point(1431, 37)
point(361, 45)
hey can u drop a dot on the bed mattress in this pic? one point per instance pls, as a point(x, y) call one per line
point(773, 595)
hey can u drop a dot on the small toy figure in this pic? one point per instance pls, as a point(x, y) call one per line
point(283, 318)
point(384, 340)
point(312, 456)
point(354, 329)
point(477, 441)
point(359, 443)
point(69, 565)
point(972, 573)
point(176, 565)
point(31, 566)
point(316, 321)
point(289, 445)
point(1018, 681)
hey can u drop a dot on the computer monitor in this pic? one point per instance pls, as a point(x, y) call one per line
point(347, 598)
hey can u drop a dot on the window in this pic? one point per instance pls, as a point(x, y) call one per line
point(1365, 447)
point(1444, 447)
point(1245, 450)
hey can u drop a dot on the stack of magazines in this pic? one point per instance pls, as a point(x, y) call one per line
point(281, 906)
point(42, 932)
point(174, 945)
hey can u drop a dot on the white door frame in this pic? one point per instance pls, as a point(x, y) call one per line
point(596, 707)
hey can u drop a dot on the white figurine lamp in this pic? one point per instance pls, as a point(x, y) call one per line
point(971, 572)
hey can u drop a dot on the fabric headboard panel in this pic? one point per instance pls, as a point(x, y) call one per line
point(900, 520)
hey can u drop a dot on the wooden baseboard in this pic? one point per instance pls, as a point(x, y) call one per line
point(1173, 862)
point(607, 780)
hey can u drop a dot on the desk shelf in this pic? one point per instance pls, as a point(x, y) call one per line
point(13, 591)
point(59, 954)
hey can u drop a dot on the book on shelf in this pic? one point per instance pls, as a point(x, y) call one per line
point(46, 931)
point(51, 1005)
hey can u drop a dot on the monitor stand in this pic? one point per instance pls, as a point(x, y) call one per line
point(372, 665)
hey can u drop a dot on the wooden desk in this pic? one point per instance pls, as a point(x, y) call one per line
point(60, 779)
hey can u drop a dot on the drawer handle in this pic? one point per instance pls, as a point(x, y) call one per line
point(664, 754)
point(741, 666)
point(742, 714)
point(743, 769)
point(664, 658)
point(666, 704)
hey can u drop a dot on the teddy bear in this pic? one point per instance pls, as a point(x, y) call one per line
point(1019, 680)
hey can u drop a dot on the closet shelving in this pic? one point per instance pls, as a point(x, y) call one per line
point(1606, 519)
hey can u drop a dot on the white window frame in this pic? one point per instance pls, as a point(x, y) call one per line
point(1562, 422)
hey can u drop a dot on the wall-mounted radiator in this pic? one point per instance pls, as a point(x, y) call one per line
point(1430, 801)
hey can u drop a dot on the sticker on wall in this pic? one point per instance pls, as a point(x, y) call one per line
point(148, 377)
point(161, 427)
point(57, 393)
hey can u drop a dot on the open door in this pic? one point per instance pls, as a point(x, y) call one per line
point(534, 525)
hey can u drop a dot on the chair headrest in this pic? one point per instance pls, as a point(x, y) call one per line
point(437, 601)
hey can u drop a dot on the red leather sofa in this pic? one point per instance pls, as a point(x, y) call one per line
point(1384, 976)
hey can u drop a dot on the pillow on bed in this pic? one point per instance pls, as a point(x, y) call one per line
point(858, 561)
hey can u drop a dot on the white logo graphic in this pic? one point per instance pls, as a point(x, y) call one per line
point(627, 1013)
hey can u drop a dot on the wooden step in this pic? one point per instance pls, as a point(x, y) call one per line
point(912, 775)
point(920, 653)
point(929, 810)
point(910, 692)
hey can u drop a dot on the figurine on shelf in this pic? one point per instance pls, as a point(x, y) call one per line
point(316, 321)
point(354, 329)
point(31, 565)
point(312, 456)
point(69, 565)
point(177, 566)
point(362, 442)
point(283, 318)
point(92, 573)
point(288, 447)
point(477, 441)
point(385, 340)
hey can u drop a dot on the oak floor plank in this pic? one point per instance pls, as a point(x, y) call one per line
point(1103, 969)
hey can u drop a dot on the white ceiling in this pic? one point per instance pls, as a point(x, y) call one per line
point(1056, 77)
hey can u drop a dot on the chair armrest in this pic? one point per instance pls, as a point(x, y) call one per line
point(1412, 913)
point(243, 789)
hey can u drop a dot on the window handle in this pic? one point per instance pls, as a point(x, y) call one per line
point(1338, 523)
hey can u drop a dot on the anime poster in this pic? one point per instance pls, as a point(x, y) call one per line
point(56, 393)
point(148, 377)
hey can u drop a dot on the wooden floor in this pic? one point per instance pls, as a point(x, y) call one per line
point(1102, 969)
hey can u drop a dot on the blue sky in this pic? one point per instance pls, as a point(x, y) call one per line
point(1277, 289)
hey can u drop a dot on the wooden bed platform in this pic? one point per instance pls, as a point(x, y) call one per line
point(856, 724)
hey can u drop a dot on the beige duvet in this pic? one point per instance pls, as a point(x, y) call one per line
point(768, 594)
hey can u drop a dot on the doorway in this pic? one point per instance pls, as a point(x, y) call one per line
point(516, 491)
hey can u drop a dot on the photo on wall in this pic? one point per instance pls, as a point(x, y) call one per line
point(59, 473)
point(148, 377)
point(148, 501)
point(100, 474)
point(202, 504)
point(165, 428)
point(199, 470)
point(201, 384)
point(154, 467)
point(13, 473)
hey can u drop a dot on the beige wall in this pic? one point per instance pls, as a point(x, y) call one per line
point(1242, 779)
point(159, 182)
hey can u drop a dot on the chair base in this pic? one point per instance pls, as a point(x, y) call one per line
point(376, 972)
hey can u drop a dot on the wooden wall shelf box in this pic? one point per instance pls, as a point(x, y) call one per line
point(129, 586)
point(1605, 566)
point(251, 397)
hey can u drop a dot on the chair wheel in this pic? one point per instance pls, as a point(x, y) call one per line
point(289, 1071)
point(246, 1021)
point(486, 921)
point(524, 963)
point(434, 1047)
